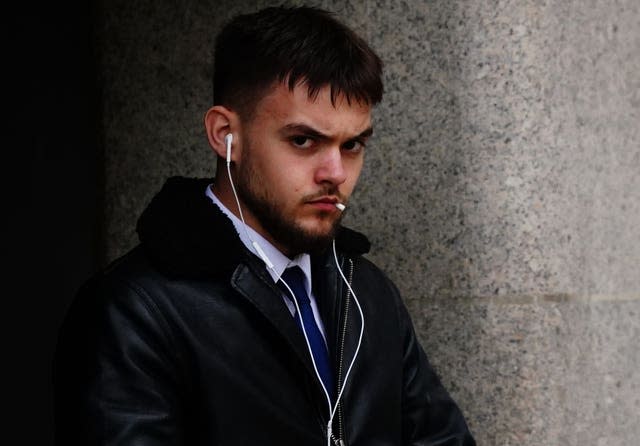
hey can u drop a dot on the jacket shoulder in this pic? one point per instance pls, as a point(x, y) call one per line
point(112, 299)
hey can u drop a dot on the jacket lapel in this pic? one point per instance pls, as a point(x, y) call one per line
point(254, 286)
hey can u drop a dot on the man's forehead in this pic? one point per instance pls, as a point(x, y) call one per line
point(298, 106)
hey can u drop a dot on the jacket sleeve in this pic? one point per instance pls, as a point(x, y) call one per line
point(430, 416)
point(114, 373)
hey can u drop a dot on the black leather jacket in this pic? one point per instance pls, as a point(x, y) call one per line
point(186, 341)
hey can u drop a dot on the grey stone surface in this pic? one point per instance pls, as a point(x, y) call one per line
point(501, 189)
point(539, 373)
point(511, 131)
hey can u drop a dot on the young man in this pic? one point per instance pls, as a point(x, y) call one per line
point(247, 315)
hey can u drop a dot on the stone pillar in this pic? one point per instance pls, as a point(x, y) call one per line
point(501, 189)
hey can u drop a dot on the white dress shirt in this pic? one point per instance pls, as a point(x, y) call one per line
point(279, 260)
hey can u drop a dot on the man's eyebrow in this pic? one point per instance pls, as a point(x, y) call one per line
point(305, 130)
point(366, 133)
point(309, 131)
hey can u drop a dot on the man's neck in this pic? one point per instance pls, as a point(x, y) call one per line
point(221, 188)
point(248, 235)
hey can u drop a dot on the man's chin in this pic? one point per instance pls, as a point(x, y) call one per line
point(314, 240)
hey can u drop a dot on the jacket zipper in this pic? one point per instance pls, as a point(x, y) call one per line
point(339, 441)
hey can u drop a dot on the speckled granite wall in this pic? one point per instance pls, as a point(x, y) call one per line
point(501, 192)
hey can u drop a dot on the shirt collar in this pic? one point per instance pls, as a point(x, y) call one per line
point(278, 259)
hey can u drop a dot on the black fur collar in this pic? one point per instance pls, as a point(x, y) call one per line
point(184, 234)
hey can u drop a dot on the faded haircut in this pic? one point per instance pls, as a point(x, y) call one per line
point(295, 46)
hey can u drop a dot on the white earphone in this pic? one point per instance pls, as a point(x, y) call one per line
point(228, 140)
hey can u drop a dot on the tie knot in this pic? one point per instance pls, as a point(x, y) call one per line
point(294, 277)
point(294, 273)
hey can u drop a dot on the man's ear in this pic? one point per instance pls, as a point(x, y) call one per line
point(220, 121)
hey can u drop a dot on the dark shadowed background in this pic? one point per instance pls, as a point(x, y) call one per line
point(53, 195)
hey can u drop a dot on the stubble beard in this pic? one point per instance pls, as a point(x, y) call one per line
point(258, 198)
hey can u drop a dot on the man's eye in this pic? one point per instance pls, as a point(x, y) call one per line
point(303, 142)
point(353, 146)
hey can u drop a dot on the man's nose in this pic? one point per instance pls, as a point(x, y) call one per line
point(331, 167)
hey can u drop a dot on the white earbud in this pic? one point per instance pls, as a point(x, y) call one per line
point(228, 139)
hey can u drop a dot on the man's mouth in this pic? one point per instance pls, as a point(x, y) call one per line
point(325, 203)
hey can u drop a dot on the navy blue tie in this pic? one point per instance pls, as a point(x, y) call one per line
point(294, 277)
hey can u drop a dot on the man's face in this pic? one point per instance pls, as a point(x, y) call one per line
point(299, 157)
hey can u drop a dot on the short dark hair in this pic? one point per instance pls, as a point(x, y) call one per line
point(293, 45)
